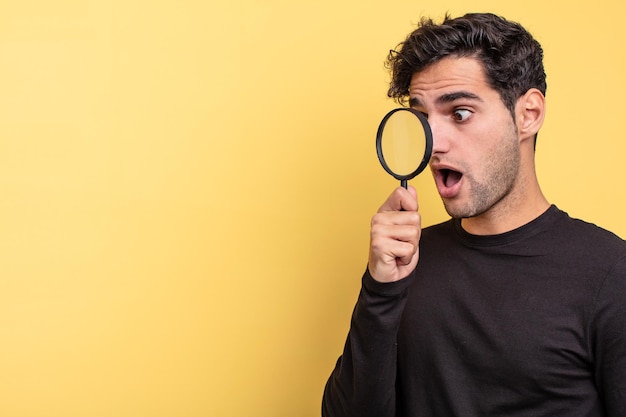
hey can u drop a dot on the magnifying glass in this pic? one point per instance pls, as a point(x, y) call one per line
point(404, 143)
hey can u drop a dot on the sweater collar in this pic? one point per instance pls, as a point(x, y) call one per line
point(531, 228)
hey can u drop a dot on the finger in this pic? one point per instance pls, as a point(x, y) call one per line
point(400, 199)
point(396, 252)
point(403, 232)
point(408, 218)
point(410, 202)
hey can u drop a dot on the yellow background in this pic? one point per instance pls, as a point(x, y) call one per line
point(186, 188)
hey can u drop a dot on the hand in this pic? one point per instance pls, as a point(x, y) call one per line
point(394, 237)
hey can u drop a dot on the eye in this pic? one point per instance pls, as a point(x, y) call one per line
point(461, 115)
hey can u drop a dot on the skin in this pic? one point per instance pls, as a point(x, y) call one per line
point(474, 134)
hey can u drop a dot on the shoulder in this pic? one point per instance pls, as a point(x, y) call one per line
point(592, 239)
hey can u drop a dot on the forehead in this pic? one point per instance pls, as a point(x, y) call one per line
point(449, 74)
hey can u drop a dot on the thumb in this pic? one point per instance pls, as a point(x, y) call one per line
point(412, 190)
point(410, 204)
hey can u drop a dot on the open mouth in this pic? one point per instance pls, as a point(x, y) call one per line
point(450, 177)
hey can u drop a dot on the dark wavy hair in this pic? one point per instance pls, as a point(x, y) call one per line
point(511, 57)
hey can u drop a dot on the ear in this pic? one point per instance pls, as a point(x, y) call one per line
point(530, 112)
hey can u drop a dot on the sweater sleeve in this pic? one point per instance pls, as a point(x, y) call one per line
point(608, 341)
point(363, 381)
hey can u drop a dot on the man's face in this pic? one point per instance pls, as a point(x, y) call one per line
point(476, 156)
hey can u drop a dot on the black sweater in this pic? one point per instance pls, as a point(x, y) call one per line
point(531, 323)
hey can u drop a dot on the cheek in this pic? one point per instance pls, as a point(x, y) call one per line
point(489, 150)
point(494, 137)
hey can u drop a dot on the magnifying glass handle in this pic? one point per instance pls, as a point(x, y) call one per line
point(403, 184)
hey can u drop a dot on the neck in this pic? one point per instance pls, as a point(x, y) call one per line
point(497, 222)
point(522, 205)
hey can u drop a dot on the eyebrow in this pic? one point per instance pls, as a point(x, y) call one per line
point(447, 98)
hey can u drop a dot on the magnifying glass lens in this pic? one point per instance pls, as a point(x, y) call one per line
point(404, 143)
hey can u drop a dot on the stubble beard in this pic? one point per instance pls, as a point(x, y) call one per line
point(500, 176)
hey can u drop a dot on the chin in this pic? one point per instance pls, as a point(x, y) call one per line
point(458, 211)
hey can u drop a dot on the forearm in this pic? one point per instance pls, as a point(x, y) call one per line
point(363, 381)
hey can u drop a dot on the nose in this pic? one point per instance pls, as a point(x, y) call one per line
point(441, 142)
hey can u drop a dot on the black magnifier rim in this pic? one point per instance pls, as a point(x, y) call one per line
point(427, 151)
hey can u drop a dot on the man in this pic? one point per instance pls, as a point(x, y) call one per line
point(511, 308)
